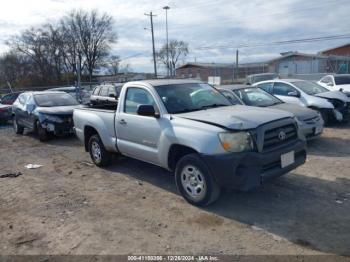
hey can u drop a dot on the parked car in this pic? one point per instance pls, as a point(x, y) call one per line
point(190, 128)
point(106, 95)
point(9, 99)
point(47, 112)
point(332, 105)
point(336, 83)
point(80, 94)
point(251, 79)
point(5, 113)
point(310, 121)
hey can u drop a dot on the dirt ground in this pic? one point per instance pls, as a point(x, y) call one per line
point(69, 206)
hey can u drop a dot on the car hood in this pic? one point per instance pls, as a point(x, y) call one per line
point(236, 117)
point(334, 95)
point(300, 112)
point(57, 110)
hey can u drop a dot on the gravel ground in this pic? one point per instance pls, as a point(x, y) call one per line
point(69, 206)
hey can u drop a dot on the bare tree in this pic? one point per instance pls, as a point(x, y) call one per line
point(113, 64)
point(95, 34)
point(178, 50)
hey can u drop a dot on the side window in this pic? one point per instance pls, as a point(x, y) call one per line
point(6, 99)
point(111, 91)
point(266, 87)
point(233, 99)
point(104, 91)
point(282, 89)
point(97, 90)
point(327, 80)
point(135, 97)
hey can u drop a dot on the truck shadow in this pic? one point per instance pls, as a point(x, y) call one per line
point(307, 211)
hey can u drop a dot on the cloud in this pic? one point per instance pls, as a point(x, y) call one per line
point(200, 23)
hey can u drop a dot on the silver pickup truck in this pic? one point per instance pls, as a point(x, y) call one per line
point(190, 128)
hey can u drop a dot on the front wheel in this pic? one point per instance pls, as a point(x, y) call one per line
point(99, 155)
point(17, 128)
point(195, 182)
point(42, 133)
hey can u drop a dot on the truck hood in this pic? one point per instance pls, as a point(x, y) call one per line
point(300, 112)
point(57, 110)
point(334, 95)
point(236, 117)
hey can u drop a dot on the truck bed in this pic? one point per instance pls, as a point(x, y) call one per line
point(100, 119)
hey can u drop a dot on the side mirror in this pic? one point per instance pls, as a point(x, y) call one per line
point(146, 110)
point(294, 93)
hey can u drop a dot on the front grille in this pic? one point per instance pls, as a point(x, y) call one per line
point(279, 136)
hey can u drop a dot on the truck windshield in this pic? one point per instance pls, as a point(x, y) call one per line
point(256, 97)
point(181, 98)
point(54, 99)
point(342, 80)
point(310, 88)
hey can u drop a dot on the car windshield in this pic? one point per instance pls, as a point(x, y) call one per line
point(310, 88)
point(181, 98)
point(342, 80)
point(256, 97)
point(54, 99)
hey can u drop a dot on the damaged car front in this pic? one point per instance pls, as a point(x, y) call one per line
point(47, 113)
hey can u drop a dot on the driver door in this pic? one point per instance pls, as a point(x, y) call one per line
point(138, 136)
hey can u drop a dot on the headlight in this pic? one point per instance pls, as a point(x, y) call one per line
point(53, 118)
point(236, 142)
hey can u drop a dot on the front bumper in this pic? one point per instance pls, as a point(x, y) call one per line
point(246, 171)
point(59, 129)
point(312, 130)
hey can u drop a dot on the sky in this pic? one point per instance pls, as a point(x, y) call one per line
point(221, 25)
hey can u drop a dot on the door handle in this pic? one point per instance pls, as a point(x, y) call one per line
point(122, 122)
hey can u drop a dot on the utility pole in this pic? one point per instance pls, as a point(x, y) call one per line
point(236, 64)
point(154, 50)
point(166, 8)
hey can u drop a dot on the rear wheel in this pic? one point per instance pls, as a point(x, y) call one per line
point(99, 155)
point(195, 181)
point(17, 127)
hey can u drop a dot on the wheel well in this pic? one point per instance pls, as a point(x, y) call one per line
point(88, 132)
point(176, 152)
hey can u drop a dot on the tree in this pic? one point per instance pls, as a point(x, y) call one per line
point(113, 64)
point(94, 33)
point(178, 50)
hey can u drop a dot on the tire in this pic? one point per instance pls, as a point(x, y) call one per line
point(195, 181)
point(42, 133)
point(98, 153)
point(17, 127)
point(325, 117)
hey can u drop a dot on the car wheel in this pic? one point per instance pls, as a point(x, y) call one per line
point(17, 127)
point(195, 181)
point(42, 133)
point(325, 117)
point(99, 155)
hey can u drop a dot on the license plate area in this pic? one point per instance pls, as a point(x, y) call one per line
point(287, 159)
